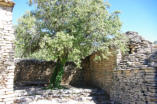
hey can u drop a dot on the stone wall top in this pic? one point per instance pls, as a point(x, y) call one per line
point(134, 37)
point(8, 3)
point(139, 52)
point(38, 72)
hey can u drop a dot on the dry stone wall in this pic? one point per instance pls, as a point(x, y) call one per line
point(6, 52)
point(129, 78)
point(32, 71)
point(99, 73)
point(36, 72)
point(152, 60)
point(138, 54)
point(138, 86)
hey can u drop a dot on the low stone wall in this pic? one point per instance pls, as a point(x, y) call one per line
point(135, 86)
point(33, 71)
point(37, 72)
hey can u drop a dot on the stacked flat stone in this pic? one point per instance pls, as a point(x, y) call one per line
point(153, 57)
point(38, 72)
point(72, 95)
point(6, 52)
point(136, 86)
point(139, 52)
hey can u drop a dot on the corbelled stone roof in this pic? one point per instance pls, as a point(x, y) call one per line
point(8, 3)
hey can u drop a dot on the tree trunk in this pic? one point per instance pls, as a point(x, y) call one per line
point(56, 77)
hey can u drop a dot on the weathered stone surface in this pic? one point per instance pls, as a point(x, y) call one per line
point(153, 57)
point(62, 96)
point(6, 52)
point(139, 52)
point(37, 72)
point(135, 86)
point(133, 80)
point(99, 73)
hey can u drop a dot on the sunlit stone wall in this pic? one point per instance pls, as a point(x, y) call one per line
point(6, 52)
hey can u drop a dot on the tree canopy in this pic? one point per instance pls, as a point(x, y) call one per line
point(69, 30)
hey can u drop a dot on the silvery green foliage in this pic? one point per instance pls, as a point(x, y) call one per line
point(26, 34)
point(71, 28)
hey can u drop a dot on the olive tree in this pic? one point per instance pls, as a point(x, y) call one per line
point(69, 30)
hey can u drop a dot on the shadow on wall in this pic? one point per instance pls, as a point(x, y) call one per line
point(134, 80)
point(136, 85)
point(100, 73)
point(129, 82)
point(37, 73)
point(32, 75)
point(29, 72)
point(153, 84)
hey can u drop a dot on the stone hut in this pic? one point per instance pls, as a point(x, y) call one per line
point(6, 52)
point(126, 78)
point(131, 80)
point(100, 73)
point(135, 77)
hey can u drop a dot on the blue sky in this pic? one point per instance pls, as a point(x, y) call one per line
point(136, 15)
